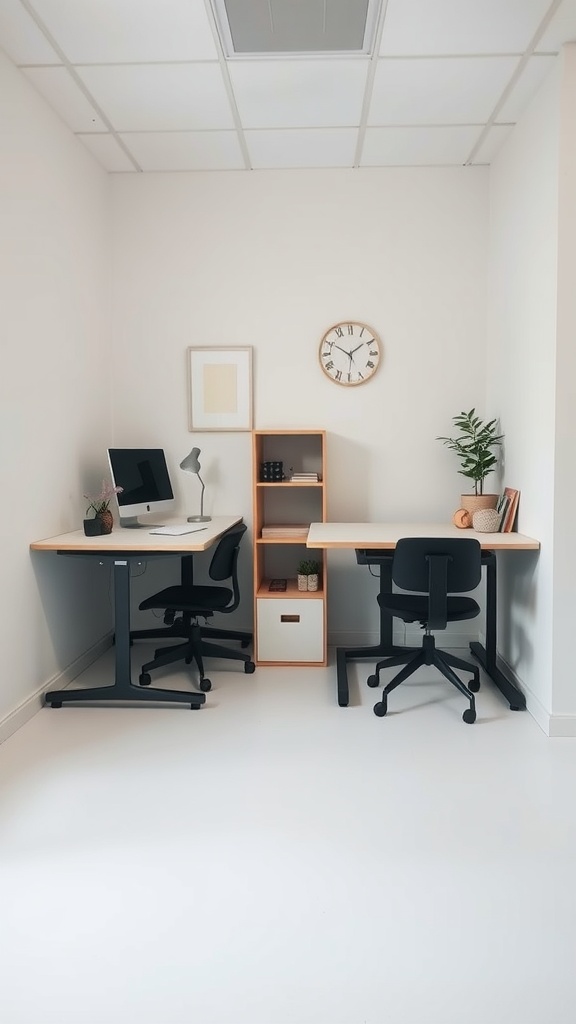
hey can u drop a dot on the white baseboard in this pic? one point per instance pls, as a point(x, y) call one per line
point(29, 707)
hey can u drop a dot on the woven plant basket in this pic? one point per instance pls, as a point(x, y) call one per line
point(474, 502)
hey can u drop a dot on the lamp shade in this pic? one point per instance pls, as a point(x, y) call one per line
point(191, 464)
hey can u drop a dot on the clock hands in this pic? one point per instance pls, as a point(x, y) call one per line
point(349, 354)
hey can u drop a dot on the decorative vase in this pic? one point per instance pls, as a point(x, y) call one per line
point(473, 502)
point(486, 520)
point(312, 581)
point(302, 582)
point(106, 520)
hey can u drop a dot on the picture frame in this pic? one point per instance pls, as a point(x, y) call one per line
point(219, 388)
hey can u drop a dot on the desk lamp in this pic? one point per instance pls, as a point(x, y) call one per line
point(191, 465)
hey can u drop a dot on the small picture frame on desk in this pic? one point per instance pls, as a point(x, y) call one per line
point(219, 388)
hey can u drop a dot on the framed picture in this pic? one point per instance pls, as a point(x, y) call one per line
point(220, 388)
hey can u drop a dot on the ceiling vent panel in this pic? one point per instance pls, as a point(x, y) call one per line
point(280, 27)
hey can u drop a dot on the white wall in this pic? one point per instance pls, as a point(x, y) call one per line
point(271, 260)
point(564, 691)
point(54, 385)
point(531, 375)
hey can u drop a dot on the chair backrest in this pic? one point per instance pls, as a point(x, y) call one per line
point(223, 565)
point(437, 566)
point(413, 560)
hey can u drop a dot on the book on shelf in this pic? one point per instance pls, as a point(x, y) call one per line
point(277, 585)
point(509, 516)
point(305, 478)
point(286, 530)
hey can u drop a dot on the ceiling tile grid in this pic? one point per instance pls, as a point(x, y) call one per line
point(155, 85)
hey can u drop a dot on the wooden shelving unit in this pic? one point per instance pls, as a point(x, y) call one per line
point(290, 625)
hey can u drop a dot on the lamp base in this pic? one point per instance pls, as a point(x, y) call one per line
point(199, 519)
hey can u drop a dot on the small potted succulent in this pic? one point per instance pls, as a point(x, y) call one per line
point(103, 520)
point(308, 570)
point(474, 446)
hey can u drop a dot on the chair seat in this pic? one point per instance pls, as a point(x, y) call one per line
point(414, 608)
point(195, 599)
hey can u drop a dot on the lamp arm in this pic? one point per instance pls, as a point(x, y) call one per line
point(201, 495)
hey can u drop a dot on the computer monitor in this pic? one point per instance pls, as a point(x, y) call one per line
point(143, 475)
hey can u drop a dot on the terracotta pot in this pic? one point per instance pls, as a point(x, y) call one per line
point(473, 502)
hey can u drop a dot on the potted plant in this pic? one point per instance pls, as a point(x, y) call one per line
point(475, 446)
point(308, 570)
point(100, 505)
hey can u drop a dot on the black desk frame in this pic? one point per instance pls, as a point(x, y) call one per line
point(385, 648)
point(123, 689)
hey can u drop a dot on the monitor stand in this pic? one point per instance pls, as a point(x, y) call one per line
point(131, 523)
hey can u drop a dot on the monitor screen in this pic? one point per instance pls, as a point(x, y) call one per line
point(143, 475)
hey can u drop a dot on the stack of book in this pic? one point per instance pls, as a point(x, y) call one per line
point(304, 478)
point(286, 530)
point(507, 507)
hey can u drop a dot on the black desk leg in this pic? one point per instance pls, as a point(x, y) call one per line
point(123, 688)
point(384, 649)
point(487, 655)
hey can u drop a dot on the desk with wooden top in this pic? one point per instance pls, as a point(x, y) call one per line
point(120, 548)
point(374, 544)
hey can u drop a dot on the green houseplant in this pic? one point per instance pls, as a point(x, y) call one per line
point(476, 446)
point(308, 570)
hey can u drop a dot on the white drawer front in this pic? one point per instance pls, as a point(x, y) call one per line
point(290, 630)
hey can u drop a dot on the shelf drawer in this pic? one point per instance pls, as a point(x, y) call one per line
point(290, 630)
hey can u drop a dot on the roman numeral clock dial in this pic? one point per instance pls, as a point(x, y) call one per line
point(350, 353)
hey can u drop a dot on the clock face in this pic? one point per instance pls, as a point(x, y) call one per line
point(350, 353)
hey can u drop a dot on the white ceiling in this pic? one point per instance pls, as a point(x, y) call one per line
point(147, 85)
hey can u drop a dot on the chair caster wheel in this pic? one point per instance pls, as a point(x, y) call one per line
point(56, 704)
point(469, 716)
point(249, 667)
point(474, 684)
point(205, 685)
point(145, 679)
point(372, 680)
point(380, 708)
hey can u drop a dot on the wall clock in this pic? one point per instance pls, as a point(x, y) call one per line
point(350, 353)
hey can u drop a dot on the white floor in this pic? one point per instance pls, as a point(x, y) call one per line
point(276, 859)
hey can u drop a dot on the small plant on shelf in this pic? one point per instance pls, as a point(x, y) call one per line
point(308, 567)
point(308, 570)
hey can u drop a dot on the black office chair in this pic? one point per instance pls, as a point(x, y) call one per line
point(201, 602)
point(437, 569)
